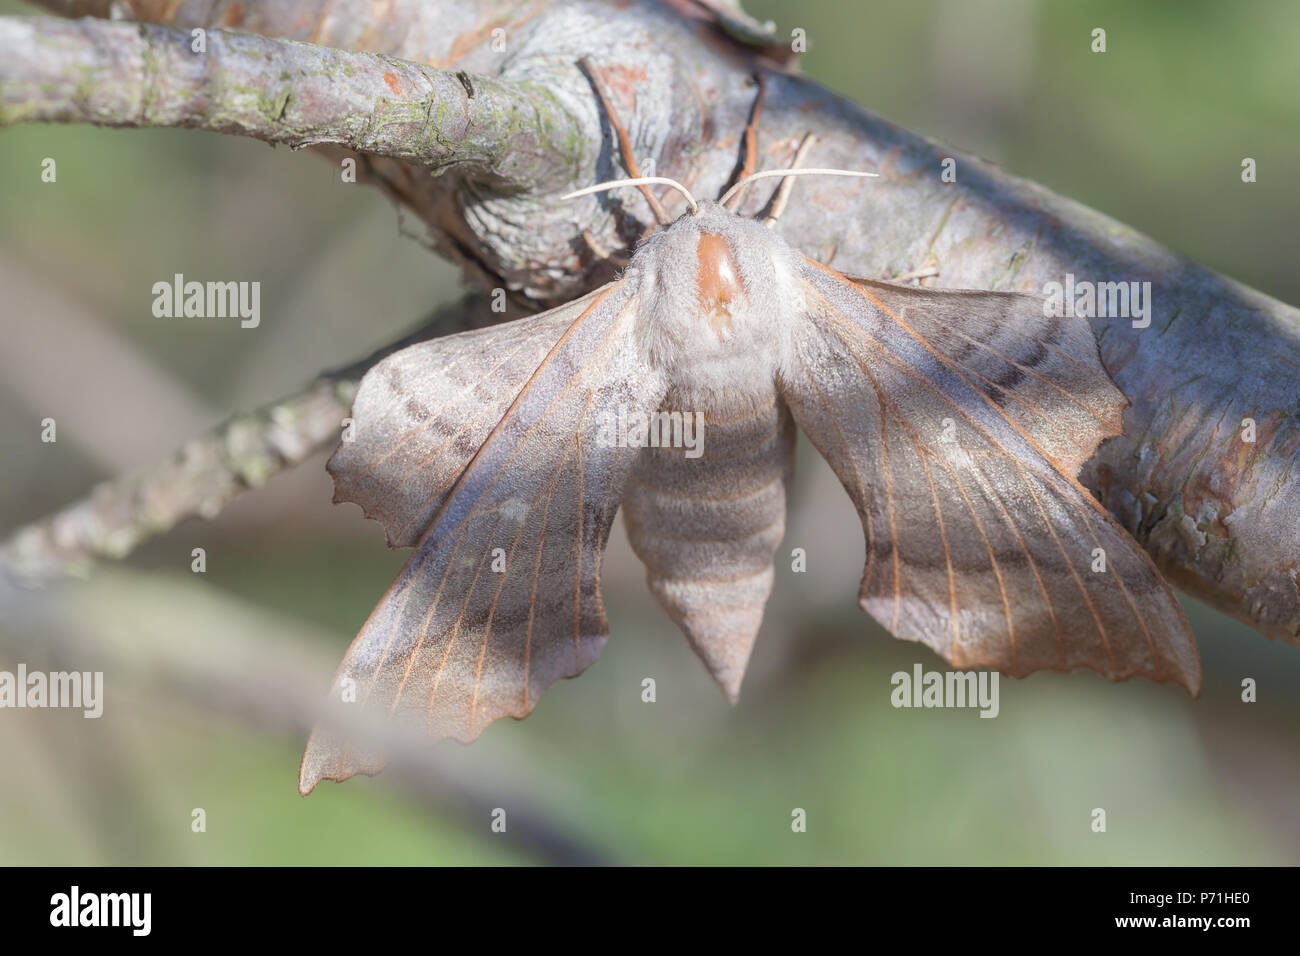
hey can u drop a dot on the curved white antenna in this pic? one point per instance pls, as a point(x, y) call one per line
point(768, 173)
point(639, 181)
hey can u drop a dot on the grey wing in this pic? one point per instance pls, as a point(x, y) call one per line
point(502, 596)
point(422, 413)
point(947, 432)
point(1043, 372)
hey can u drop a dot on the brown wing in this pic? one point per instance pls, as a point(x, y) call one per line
point(1042, 372)
point(958, 437)
point(501, 596)
point(422, 413)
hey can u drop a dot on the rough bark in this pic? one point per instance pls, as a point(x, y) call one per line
point(1221, 516)
point(514, 136)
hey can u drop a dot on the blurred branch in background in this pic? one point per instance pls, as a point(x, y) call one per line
point(38, 320)
point(240, 454)
point(235, 662)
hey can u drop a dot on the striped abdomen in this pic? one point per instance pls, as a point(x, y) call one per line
point(707, 528)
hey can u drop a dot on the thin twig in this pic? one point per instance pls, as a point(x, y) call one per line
point(208, 473)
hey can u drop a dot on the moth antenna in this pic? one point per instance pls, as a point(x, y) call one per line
point(769, 173)
point(639, 181)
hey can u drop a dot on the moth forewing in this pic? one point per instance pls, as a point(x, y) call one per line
point(422, 413)
point(1042, 371)
point(979, 536)
point(502, 595)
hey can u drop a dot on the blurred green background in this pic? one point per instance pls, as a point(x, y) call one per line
point(204, 671)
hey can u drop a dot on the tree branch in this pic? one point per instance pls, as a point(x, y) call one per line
point(209, 472)
point(283, 91)
point(1217, 513)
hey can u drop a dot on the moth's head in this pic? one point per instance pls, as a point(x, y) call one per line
point(714, 278)
point(722, 253)
point(717, 234)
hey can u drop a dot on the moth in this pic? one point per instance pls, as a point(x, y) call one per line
point(956, 421)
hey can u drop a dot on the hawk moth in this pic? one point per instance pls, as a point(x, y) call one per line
point(956, 421)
